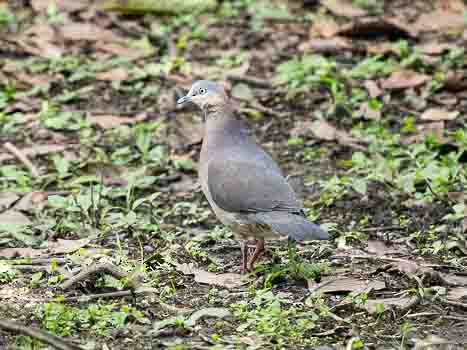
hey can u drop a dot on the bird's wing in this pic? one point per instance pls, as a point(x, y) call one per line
point(239, 186)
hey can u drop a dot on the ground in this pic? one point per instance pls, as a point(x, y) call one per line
point(106, 241)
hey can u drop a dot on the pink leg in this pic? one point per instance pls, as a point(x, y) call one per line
point(259, 249)
point(244, 249)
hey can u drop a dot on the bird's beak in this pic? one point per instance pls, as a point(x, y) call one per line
point(183, 100)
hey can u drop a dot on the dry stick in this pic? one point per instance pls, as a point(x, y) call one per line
point(39, 150)
point(44, 337)
point(22, 158)
point(118, 294)
point(92, 269)
point(261, 83)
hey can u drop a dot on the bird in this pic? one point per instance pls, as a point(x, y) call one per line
point(244, 186)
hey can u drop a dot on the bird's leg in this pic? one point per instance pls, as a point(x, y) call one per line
point(258, 250)
point(244, 249)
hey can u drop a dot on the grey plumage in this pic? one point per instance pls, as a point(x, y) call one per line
point(243, 184)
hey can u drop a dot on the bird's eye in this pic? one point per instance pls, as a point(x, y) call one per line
point(202, 91)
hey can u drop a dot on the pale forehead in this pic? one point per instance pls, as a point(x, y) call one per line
point(206, 84)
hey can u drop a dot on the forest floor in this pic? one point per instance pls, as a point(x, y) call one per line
point(106, 241)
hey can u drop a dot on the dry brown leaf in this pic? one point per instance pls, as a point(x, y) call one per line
point(112, 121)
point(409, 267)
point(324, 28)
point(343, 8)
point(456, 81)
point(440, 20)
point(327, 46)
point(368, 113)
point(400, 303)
point(457, 293)
point(452, 279)
point(377, 25)
point(65, 246)
point(372, 88)
point(226, 280)
point(61, 5)
point(190, 129)
point(32, 80)
point(116, 74)
point(404, 79)
point(434, 48)
point(7, 199)
point(380, 248)
point(31, 201)
point(130, 53)
point(332, 284)
point(36, 151)
point(13, 217)
point(87, 31)
point(435, 129)
point(10, 253)
point(437, 114)
point(323, 130)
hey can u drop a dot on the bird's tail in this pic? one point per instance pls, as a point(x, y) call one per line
point(292, 225)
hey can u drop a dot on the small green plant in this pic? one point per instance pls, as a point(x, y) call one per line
point(64, 320)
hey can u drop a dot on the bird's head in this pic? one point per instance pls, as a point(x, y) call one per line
point(206, 94)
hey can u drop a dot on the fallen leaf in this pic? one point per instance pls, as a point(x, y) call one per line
point(121, 50)
point(242, 92)
point(451, 279)
point(61, 5)
point(368, 113)
point(111, 121)
point(75, 31)
point(409, 267)
point(372, 88)
point(10, 253)
point(116, 74)
point(37, 150)
point(380, 248)
point(434, 48)
point(440, 20)
point(190, 129)
point(435, 129)
point(372, 26)
point(332, 284)
point(32, 80)
point(7, 199)
point(404, 79)
point(437, 114)
point(327, 46)
point(323, 130)
point(324, 27)
point(65, 246)
point(226, 280)
point(343, 8)
point(31, 201)
point(12, 221)
point(455, 81)
point(457, 293)
point(401, 303)
point(213, 312)
point(40, 40)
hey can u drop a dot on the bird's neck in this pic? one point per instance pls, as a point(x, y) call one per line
point(222, 127)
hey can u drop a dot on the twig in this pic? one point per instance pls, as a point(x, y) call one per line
point(382, 228)
point(39, 150)
point(455, 303)
point(93, 269)
point(261, 83)
point(44, 337)
point(118, 294)
point(267, 110)
point(22, 158)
